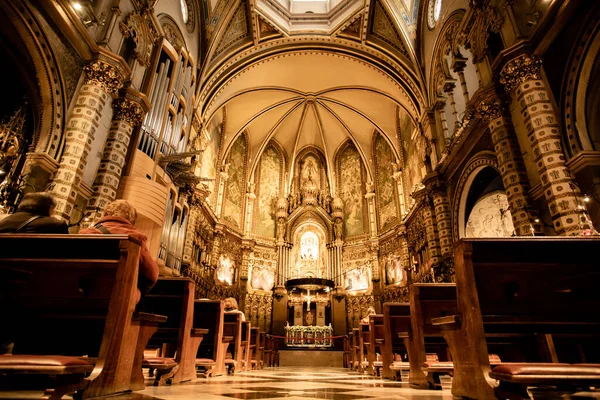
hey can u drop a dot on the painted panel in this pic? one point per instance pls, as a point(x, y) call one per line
point(357, 279)
point(262, 276)
point(268, 192)
point(234, 195)
point(225, 271)
point(208, 163)
point(490, 217)
point(385, 183)
point(310, 166)
point(414, 153)
point(351, 192)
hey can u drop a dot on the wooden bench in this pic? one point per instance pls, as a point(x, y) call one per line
point(254, 348)
point(209, 314)
point(245, 344)
point(75, 295)
point(178, 338)
point(232, 328)
point(537, 287)
point(428, 301)
point(396, 326)
point(376, 344)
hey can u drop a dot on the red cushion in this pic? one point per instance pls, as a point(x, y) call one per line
point(524, 369)
point(45, 361)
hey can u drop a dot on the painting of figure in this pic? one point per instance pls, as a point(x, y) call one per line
point(490, 217)
point(393, 270)
point(309, 168)
point(385, 183)
point(357, 279)
point(225, 271)
point(208, 162)
point(263, 277)
point(268, 192)
point(352, 195)
point(234, 195)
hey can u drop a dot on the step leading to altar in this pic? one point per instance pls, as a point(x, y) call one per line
point(310, 358)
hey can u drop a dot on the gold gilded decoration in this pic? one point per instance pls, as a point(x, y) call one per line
point(141, 30)
point(172, 34)
point(236, 30)
point(103, 75)
point(128, 111)
point(491, 109)
point(383, 28)
point(486, 20)
point(520, 70)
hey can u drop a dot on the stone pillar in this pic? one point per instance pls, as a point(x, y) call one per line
point(449, 90)
point(440, 106)
point(101, 81)
point(224, 176)
point(431, 236)
point(522, 77)
point(217, 242)
point(510, 163)
point(247, 248)
point(250, 198)
point(459, 67)
point(370, 196)
point(441, 206)
point(127, 114)
point(398, 177)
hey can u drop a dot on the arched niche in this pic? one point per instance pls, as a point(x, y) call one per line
point(484, 206)
point(309, 251)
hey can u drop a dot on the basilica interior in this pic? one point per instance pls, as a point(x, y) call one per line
point(309, 158)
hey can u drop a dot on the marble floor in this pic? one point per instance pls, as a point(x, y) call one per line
point(292, 383)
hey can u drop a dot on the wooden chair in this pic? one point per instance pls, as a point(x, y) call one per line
point(396, 326)
point(75, 295)
point(538, 287)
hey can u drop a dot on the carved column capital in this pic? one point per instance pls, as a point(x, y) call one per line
point(104, 75)
point(491, 109)
point(519, 70)
point(128, 111)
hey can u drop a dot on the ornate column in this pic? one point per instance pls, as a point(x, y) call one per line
point(441, 206)
point(337, 212)
point(510, 162)
point(217, 243)
point(370, 196)
point(522, 77)
point(449, 90)
point(458, 66)
point(398, 177)
point(127, 114)
point(102, 80)
point(250, 197)
point(440, 107)
point(195, 202)
point(224, 176)
point(431, 236)
point(281, 216)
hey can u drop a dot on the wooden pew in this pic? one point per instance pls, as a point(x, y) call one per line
point(262, 342)
point(232, 327)
point(396, 326)
point(254, 348)
point(429, 301)
point(363, 342)
point(376, 343)
point(246, 346)
point(179, 338)
point(521, 286)
point(209, 314)
point(356, 360)
point(76, 295)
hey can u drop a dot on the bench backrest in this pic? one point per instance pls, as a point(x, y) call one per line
point(208, 314)
point(233, 328)
point(551, 281)
point(174, 298)
point(61, 291)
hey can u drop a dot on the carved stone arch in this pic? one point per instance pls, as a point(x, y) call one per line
point(446, 42)
point(323, 173)
point(459, 199)
point(171, 31)
point(302, 216)
point(48, 99)
point(580, 86)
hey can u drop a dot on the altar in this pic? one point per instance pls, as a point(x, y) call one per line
point(308, 336)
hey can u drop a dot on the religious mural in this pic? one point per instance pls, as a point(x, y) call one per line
point(385, 163)
point(490, 217)
point(414, 153)
point(209, 160)
point(357, 278)
point(393, 270)
point(262, 276)
point(225, 271)
point(268, 192)
point(351, 191)
point(234, 195)
point(310, 167)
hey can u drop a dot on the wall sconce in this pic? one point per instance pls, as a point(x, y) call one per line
point(85, 11)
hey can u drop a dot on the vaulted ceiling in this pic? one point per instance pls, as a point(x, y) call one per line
point(311, 87)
